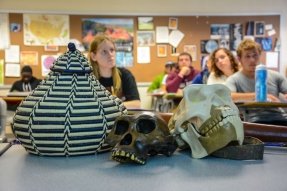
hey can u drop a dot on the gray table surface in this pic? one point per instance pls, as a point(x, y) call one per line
point(21, 171)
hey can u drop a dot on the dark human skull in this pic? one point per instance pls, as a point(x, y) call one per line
point(135, 137)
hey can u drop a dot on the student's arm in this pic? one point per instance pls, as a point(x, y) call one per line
point(173, 82)
point(130, 90)
point(134, 104)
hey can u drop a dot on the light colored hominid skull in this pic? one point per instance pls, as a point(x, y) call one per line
point(206, 120)
point(135, 137)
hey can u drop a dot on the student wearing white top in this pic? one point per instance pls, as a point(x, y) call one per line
point(223, 65)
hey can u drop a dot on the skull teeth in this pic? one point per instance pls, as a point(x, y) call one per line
point(219, 121)
point(124, 156)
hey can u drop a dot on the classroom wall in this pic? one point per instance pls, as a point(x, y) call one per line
point(195, 29)
point(156, 7)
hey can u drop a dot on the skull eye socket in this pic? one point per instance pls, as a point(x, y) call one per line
point(145, 126)
point(121, 127)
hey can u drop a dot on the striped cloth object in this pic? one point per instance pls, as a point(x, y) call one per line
point(69, 113)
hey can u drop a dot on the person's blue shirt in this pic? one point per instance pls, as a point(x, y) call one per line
point(201, 78)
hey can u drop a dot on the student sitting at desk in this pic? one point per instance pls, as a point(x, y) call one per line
point(119, 81)
point(158, 84)
point(223, 65)
point(27, 83)
point(202, 77)
point(242, 83)
point(178, 80)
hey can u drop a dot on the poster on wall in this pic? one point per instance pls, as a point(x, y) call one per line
point(191, 49)
point(223, 43)
point(29, 58)
point(259, 28)
point(15, 27)
point(47, 62)
point(161, 50)
point(4, 31)
point(208, 46)
point(124, 59)
point(120, 30)
point(162, 34)
point(145, 23)
point(249, 28)
point(42, 29)
point(12, 70)
point(219, 31)
point(236, 35)
point(145, 38)
point(175, 38)
point(12, 54)
point(143, 55)
point(265, 42)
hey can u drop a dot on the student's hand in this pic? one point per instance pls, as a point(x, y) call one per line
point(184, 71)
point(272, 98)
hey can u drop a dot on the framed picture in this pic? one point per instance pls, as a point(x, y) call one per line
point(161, 50)
point(249, 28)
point(219, 31)
point(259, 28)
point(29, 58)
point(145, 23)
point(145, 38)
point(265, 42)
point(208, 46)
point(172, 23)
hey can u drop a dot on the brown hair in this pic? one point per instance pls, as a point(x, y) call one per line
point(248, 44)
point(184, 54)
point(233, 61)
point(117, 82)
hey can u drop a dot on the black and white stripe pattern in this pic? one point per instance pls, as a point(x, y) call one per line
point(69, 113)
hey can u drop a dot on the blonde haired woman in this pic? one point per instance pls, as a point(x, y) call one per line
point(119, 81)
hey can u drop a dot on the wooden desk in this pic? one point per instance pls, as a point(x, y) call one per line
point(260, 104)
point(13, 100)
point(245, 106)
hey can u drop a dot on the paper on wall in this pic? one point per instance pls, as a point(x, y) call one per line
point(143, 55)
point(4, 31)
point(12, 54)
point(271, 32)
point(269, 27)
point(272, 59)
point(175, 37)
point(12, 70)
point(161, 34)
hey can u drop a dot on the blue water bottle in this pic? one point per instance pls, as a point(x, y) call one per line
point(261, 83)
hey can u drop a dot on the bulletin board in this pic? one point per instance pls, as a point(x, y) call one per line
point(194, 28)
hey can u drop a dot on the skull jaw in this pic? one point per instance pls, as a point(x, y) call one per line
point(201, 146)
point(140, 152)
point(123, 156)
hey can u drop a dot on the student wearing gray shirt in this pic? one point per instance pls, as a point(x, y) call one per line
point(242, 83)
